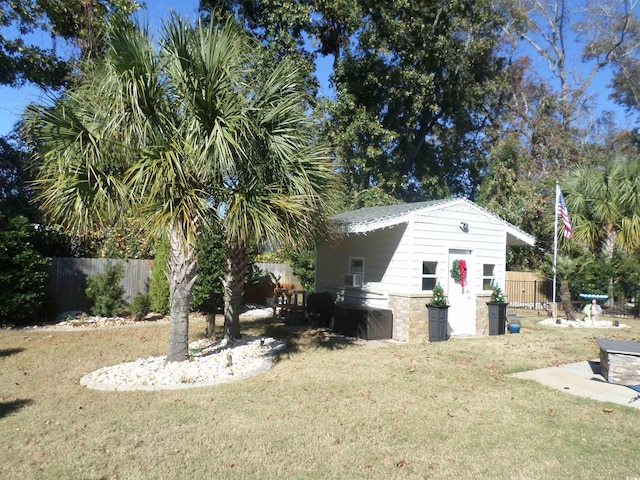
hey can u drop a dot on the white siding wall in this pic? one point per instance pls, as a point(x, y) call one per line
point(393, 256)
point(438, 232)
point(377, 248)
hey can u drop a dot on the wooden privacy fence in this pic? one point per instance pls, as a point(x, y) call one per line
point(275, 275)
point(68, 280)
point(281, 274)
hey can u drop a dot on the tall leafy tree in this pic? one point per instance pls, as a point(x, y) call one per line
point(414, 92)
point(606, 31)
point(562, 46)
point(80, 23)
point(202, 131)
point(414, 84)
point(548, 103)
point(309, 28)
point(507, 191)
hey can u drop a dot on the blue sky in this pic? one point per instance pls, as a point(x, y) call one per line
point(14, 100)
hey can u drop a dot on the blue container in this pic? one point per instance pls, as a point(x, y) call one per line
point(513, 328)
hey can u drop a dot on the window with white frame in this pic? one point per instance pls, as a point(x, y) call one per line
point(355, 274)
point(488, 276)
point(429, 277)
point(356, 265)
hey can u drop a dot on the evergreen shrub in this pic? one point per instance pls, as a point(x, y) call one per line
point(159, 285)
point(140, 306)
point(25, 271)
point(105, 292)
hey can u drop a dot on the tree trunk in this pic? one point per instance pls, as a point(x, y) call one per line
point(234, 277)
point(181, 275)
point(567, 306)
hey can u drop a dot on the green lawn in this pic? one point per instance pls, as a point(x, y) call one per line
point(445, 410)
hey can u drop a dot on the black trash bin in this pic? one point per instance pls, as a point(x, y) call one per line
point(438, 323)
point(497, 318)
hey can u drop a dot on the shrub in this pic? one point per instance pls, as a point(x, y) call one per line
point(208, 291)
point(105, 292)
point(25, 272)
point(159, 285)
point(140, 306)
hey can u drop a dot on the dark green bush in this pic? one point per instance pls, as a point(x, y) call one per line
point(627, 277)
point(25, 272)
point(140, 306)
point(159, 285)
point(105, 292)
point(208, 292)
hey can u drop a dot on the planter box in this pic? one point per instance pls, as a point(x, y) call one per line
point(438, 323)
point(497, 318)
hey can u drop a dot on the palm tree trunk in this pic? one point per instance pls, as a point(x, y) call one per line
point(567, 306)
point(181, 275)
point(234, 278)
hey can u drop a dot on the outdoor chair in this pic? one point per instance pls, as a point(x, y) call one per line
point(320, 308)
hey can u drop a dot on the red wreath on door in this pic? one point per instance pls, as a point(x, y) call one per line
point(462, 265)
point(459, 271)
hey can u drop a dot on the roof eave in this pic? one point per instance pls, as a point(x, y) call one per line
point(372, 226)
point(517, 238)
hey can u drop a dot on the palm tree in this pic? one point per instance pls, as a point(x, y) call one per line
point(566, 269)
point(197, 131)
point(604, 203)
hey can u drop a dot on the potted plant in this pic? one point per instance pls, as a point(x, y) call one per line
point(497, 312)
point(513, 324)
point(438, 319)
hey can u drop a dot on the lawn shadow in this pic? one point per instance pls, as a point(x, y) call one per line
point(7, 408)
point(7, 352)
point(304, 337)
point(298, 337)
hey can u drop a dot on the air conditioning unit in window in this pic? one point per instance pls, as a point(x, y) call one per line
point(353, 280)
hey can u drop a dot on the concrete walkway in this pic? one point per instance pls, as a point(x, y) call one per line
point(582, 379)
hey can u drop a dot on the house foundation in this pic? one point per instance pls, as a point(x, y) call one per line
point(411, 317)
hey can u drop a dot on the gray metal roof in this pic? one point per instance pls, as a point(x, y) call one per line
point(369, 219)
point(378, 214)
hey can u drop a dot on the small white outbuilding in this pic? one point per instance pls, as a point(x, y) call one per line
point(391, 257)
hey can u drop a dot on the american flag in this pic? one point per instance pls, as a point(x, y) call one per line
point(564, 213)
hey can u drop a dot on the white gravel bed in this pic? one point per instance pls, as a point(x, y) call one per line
point(210, 363)
point(550, 322)
point(77, 320)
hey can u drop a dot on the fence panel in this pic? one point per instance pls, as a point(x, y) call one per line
point(68, 280)
point(538, 295)
point(275, 275)
point(533, 294)
point(281, 274)
point(617, 304)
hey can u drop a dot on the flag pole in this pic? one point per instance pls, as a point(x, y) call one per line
point(554, 306)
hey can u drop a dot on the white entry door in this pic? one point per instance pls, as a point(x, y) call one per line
point(462, 312)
